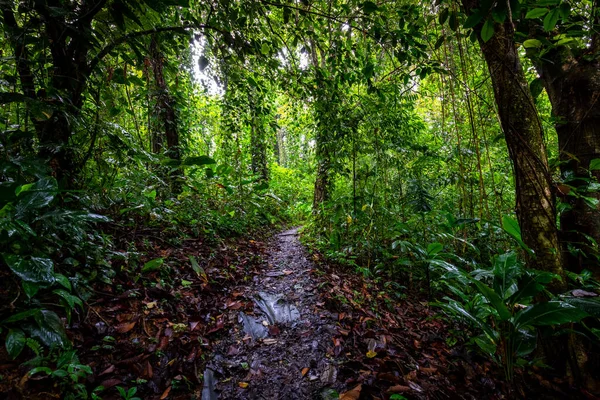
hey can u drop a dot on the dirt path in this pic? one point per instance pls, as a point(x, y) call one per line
point(282, 350)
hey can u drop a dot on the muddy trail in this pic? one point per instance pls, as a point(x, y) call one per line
point(282, 348)
point(311, 330)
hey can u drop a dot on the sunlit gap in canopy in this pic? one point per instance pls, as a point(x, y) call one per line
point(204, 75)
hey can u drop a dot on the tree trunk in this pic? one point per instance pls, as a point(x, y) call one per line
point(258, 144)
point(573, 86)
point(535, 205)
point(165, 129)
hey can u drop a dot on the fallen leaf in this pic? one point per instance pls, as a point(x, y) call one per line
point(124, 327)
point(398, 389)
point(166, 393)
point(243, 385)
point(305, 371)
point(428, 371)
point(110, 383)
point(353, 394)
point(371, 354)
point(151, 305)
point(107, 370)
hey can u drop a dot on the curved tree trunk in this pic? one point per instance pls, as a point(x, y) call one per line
point(524, 137)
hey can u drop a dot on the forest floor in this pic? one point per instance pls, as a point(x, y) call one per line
point(259, 320)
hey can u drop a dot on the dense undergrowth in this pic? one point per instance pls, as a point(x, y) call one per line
point(142, 144)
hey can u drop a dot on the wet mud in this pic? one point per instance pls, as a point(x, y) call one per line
point(282, 348)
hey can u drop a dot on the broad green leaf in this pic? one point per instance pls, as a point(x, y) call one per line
point(526, 342)
point(473, 20)
point(265, 49)
point(71, 300)
point(511, 226)
point(21, 316)
point(434, 248)
point(63, 280)
point(37, 270)
point(198, 161)
point(443, 17)
point(532, 43)
point(30, 288)
point(495, 300)
point(551, 19)
point(595, 164)
point(531, 285)
point(536, 13)
point(548, 313)
point(15, 341)
point(153, 265)
point(536, 87)
point(50, 330)
point(590, 305)
point(455, 308)
point(453, 21)
point(485, 344)
point(36, 195)
point(488, 30)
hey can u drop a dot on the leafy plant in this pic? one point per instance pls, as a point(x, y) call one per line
point(499, 303)
point(128, 394)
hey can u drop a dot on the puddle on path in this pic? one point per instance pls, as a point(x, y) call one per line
point(280, 349)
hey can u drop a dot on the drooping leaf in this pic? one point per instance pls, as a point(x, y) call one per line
point(434, 248)
point(473, 20)
point(551, 19)
point(590, 305)
point(536, 13)
point(21, 316)
point(532, 43)
point(495, 300)
point(15, 341)
point(49, 330)
point(34, 269)
point(548, 313)
point(36, 195)
point(488, 30)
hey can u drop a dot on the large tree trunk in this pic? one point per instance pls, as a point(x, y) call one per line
point(165, 129)
point(524, 137)
point(573, 86)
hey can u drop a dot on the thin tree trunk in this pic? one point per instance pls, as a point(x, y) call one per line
point(165, 129)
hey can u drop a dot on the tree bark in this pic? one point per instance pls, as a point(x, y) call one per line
point(258, 144)
point(166, 127)
point(573, 86)
point(535, 201)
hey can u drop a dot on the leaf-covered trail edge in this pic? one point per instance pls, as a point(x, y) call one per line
point(159, 331)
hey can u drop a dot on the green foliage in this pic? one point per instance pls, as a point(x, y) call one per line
point(498, 303)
